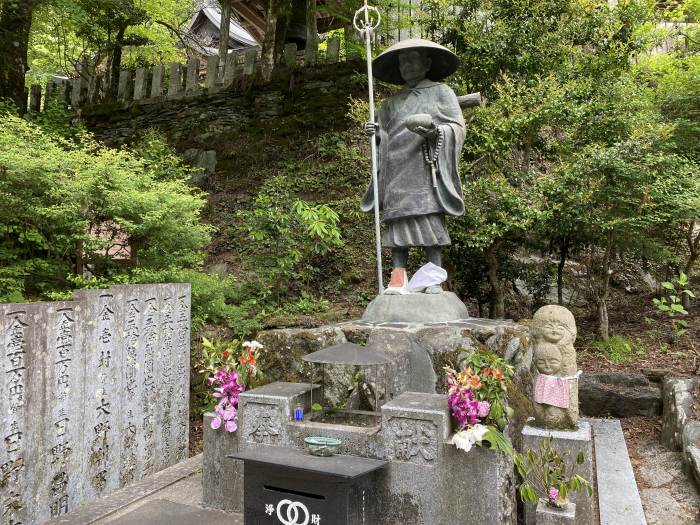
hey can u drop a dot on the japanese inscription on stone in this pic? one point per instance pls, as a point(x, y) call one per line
point(12, 457)
point(262, 423)
point(94, 394)
point(413, 440)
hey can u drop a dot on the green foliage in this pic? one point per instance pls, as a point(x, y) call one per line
point(285, 235)
point(672, 305)
point(497, 441)
point(221, 301)
point(543, 469)
point(616, 348)
point(67, 32)
point(68, 205)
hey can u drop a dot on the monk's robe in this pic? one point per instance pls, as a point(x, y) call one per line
point(413, 208)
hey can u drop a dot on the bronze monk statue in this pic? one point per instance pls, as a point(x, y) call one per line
point(419, 133)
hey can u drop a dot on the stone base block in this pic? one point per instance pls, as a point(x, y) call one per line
point(222, 477)
point(568, 444)
point(547, 515)
point(429, 481)
point(418, 351)
point(416, 308)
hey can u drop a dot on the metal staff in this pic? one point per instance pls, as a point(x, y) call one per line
point(366, 25)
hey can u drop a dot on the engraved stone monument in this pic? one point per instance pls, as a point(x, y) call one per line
point(94, 395)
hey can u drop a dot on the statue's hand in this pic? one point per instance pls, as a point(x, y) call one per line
point(422, 124)
point(371, 128)
point(427, 133)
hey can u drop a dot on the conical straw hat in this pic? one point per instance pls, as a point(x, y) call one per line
point(443, 61)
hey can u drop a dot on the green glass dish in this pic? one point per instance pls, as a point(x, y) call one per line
point(322, 446)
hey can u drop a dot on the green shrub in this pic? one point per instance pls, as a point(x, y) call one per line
point(64, 204)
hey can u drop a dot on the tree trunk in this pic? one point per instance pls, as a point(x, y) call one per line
point(275, 29)
point(116, 63)
point(15, 24)
point(693, 240)
point(79, 263)
point(603, 324)
point(563, 254)
point(311, 30)
point(224, 30)
point(497, 310)
point(602, 296)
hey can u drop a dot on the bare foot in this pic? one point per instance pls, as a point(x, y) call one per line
point(397, 284)
point(436, 288)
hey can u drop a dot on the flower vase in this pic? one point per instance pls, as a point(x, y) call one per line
point(546, 514)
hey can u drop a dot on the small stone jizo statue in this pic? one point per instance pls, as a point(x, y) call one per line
point(420, 132)
point(555, 389)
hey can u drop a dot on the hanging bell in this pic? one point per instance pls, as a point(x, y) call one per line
point(296, 27)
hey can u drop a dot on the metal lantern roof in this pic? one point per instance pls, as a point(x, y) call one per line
point(347, 354)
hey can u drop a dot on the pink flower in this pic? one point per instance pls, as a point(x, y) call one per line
point(483, 408)
point(553, 494)
point(226, 390)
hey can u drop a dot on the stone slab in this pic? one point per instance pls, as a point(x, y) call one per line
point(337, 465)
point(693, 461)
point(416, 308)
point(120, 499)
point(547, 515)
point(163, 512)
point(691, 448)
point(222, 477)
point(567, 444)
point(618, 497)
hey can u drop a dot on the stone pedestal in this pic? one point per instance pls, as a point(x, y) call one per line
point(418, 351)
point(427, 482)
point(547, 515)
point(567, 444)
point(416, 308)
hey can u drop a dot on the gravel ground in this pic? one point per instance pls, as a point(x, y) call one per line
point(669, 495)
